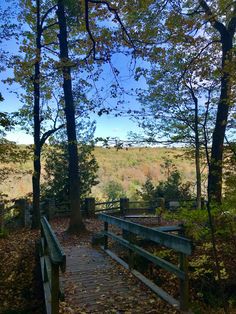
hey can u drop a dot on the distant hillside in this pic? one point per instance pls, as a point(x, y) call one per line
point(130, 168)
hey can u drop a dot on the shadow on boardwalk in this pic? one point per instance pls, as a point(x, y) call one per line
point(94, 283)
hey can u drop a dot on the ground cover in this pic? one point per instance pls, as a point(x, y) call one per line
point(20, 284)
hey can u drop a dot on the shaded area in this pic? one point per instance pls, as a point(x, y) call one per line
point(20, 279)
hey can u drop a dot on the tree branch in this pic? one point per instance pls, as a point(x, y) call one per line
point(46, 14)
point(232, 23)
point(52, 51)
point(114, 11)
point(93, 49)
point(212, 19)
point(46, 135)
point(49, 26)
point(195, 58)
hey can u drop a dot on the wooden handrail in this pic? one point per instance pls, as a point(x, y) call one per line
point(171, 241)
point(52, 259)
point(159, 235)
point(107, 203)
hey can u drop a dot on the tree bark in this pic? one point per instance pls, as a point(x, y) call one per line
point(216, 163)
point(197, 155)
point(76, 224)
point(36, 111)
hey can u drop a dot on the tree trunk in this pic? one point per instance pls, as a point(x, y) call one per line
point(76, 224)
point(36, 111)
point(197, 159)
point(216, 163)
point(197, 149)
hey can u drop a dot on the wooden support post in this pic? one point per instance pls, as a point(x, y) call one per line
point(1, 217)
point(183, 283)
point(131, 253)
point(22, 205)
point(90, 207)
point(55, 289)
point(161, 205)
point(105, 236)
point(124, 205)
point(51, 208)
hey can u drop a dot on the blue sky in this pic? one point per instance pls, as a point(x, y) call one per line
point(106, 125)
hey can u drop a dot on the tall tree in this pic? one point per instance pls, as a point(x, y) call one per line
point(225, 27)
point(31, 71)
point(76, 223)
point(37, 82)
point(204, 34)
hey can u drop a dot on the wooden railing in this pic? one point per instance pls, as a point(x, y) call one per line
point(52, 260)
point(160, 236)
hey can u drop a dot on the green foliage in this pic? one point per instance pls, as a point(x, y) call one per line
point(113, 190)
point(56, 168)
point(171, 189)
point(230, 176)
point(195, 222)
point(3, 233)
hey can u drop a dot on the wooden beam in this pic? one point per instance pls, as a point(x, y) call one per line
point(152, 258)
point(157, 290)
point(171, 241)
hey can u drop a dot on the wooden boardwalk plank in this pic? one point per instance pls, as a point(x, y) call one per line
point(96, 284)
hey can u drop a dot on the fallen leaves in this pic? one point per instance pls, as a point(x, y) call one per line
point(101, 288)
point(17, 273)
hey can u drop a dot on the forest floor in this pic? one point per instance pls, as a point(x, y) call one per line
point(20, 279)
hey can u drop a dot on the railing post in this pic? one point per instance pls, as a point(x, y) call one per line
point(124, 205)
point(105, 236)
point(2, 217)
point(22, 205)
point(161, 205)
point(55, 289)
point(131, 238)
point(90, 207)
point(183, 283)
point(50, 208)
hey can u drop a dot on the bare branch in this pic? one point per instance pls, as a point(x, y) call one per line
point(212, 18)
point(52, 51)
point(93, 49)
point(46, 14)
point(49, 44)
point(47, 134)
point(195, 58)
point(114, 11)
point(49, 26)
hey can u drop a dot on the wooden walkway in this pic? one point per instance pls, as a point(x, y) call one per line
point(94, 283)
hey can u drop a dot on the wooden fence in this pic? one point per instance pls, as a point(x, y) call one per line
point(14, 213)
point(89, 208)
point(160, 236)
point(52, 260)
